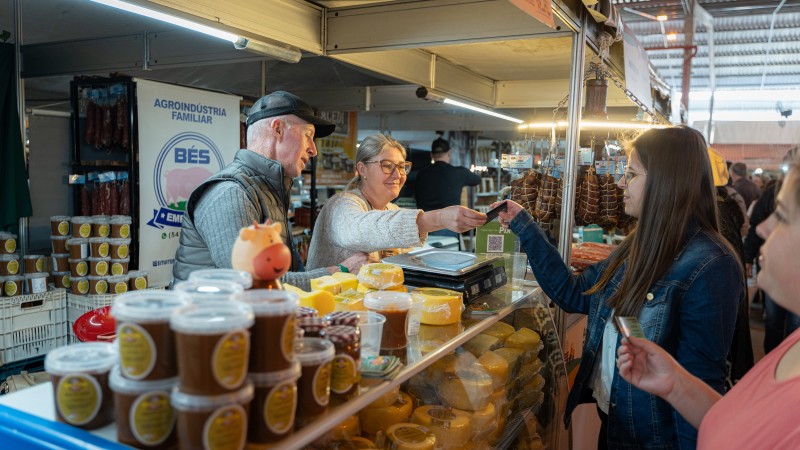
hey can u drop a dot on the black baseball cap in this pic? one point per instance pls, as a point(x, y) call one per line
point(281, 103)
point(440, 146)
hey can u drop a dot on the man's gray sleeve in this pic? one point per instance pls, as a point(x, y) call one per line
point(303, 279)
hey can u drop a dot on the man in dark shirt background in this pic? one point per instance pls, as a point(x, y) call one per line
point(439, 185)
point(743, 185)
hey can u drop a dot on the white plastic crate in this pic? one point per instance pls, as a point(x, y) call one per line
point(32, 325)
point(78, 305)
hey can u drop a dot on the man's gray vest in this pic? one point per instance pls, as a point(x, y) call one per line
point(267, 189)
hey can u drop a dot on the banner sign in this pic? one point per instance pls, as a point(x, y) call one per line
point(185, 136)
point(637, 68)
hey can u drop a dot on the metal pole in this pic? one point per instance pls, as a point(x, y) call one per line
point(688, 42)
point(571, 155)
point(22, 226)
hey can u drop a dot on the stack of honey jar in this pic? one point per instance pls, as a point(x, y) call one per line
point(20, 276)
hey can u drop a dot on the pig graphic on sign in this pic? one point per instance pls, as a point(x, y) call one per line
point(181, 182)
point(260, 251)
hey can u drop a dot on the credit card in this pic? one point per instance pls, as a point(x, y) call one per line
point(491, 215)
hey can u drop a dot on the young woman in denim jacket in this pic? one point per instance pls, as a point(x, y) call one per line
point(675, 273)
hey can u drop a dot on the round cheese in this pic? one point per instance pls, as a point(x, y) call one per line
point(526, 340)
point(468, 389)
point(374, 420)
point(481, 423)
point(495, 366)
point(451, 427)
point(439, 306)
point(346, 429)
point(409, 436)
point(380, 275)
point(354, 443)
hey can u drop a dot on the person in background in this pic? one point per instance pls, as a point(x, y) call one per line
point(440, 185)
point(667, 273)
point(760, 180)
point(743, 185)
point(761, 410)
point(363, 219)
point(256, 186)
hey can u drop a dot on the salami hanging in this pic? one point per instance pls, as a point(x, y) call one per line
point(589, 205)
point(608, 203)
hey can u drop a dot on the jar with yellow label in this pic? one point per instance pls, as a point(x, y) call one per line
point(212, 421)
point(346, 368)
point(101, 226)
point(117, 284)
point(313, 389)
point(8, 242)
point(144, 416)
point(271, 416)
point(272, 335)
point(120, 226)
point(81, 227)
point(245, 279)
point(9, 265)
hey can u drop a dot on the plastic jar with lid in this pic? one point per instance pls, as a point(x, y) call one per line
point(78, 267)
point(221, 419)
point(59, 225)
point(245, 279)
point(212, 341)
point(99, 247)
point(98, 267)
point(272, 335)
point(33, 263)
point(79, 285)
point(117, 284)
point(313, 390)
point(306, 311)
point(36, 283)
point(62, 280)
point(274, 405)
point(13, 285)
point(82, 227)
point(349, 318)
point(97, 285)
point(346, 367)
point(120, 226)
point(9, 265)
point(119, 266)
point(78, 248)
point(394, 306)
point(137, 280)
point(312, 326)
point(60, 244)
point(8, 242)
point(101, 226)
point(60, 262)
point(146, 341)
point(202, 291)
point(144, 416)
point(119, 247)
point(81, 391)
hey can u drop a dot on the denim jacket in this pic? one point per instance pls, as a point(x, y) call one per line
point(691, 313)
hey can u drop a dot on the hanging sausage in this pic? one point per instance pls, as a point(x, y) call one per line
point(589, 201)
point(608, 203)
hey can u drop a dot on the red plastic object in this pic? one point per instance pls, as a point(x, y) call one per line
point(96, 325)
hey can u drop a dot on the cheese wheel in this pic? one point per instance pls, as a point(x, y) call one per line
point(500, 401)
point(528, 370)
point(431, 337)
point(481, 344)
point(439, 306)
point(349, 300)
point(495, 366)
point(380, 275)
point(346, 429)
point(467, 389)
point(481, 423)
point(525, 339)
point(422, 395)
point(514, 358)
point(409, 436)
point(354, 443)
point(447, 365)
point(347, 280)
point(366, 289)
point(322, 301)
point(450, 426)
point(327, 283)
point(374, 420)
point(500, 330)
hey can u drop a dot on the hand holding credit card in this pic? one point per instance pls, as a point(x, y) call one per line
point(629, 326)
point(491, 215)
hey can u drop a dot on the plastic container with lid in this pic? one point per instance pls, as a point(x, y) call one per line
point(80, 383)
point(78, 248)
point(408, 436)
point(146, 341)
point(218, 419)
point(101, 226)
point(60, 262)
point(81, 226)
point(274, 405)
point(245, 279)
point(60, 244)
point(349, 318)
point(33, 263)
point(213, 345)
point(62, 280)
point(36, 283)
point(137, 280)
point(79, 285)
point(13, 285)
point(202, 291)
point(59, 225)
point(346, 368)
point(8, 242)
point(9, 265)
point(78, 267)
point(119, 248)
point(119, 266)
point(394, 307)
point(313, 390)
point(120, 226)
point(144, 416)
point(99, 247)
point(98, 267)
point(97, 285)
point(117, 284)
point(272, 335)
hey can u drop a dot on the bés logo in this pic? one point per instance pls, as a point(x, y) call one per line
point(184, 163)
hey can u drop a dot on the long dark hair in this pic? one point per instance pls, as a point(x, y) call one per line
point(679, 189)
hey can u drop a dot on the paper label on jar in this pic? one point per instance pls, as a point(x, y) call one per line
point(10, 288)
point(84, 251)
point(287, 338)
point(226, 428)
point(63, 228)
point(140, 283)
point(78, 398)
point(116, 269)
point(82, 268)
point(101, 268)
point(102, 249)
point(137, 351)
point(322, 384)
point(83, 286)
point(280, 407)
point(229, 359)
point(151, 418)
point(39, 264)
point(103, 230)
point(13, 267)
point(120, 287)
point(11, 246)
point(65, 281)
point(101, 287)
point(122, 251)
point(85, 230)
point(38, 285)
point(125, 231)
point(344, 373)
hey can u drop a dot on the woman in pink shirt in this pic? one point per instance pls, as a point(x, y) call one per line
point(761, 410)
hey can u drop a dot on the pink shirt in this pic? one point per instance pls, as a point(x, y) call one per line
point(758, 412)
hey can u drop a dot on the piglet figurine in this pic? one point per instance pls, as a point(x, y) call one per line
point(260, 251)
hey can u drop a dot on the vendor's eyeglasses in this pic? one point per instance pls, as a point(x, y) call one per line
point(388, 167)
point(630, 175)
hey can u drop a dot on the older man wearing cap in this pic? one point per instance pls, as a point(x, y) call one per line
point(255, 187)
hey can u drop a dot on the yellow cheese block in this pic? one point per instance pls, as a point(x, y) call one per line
point(347, 280)
point(481, 344)
point(439, 306)
point(295, 289)
point(481, 423)
point(374, 420)
point(514, 358)
point(380, 275)
point(346, 429)
point(500, 330)
point(322, 301)
point(366, 289)
point(495, 366)
point(350, 300)
point(451, 426)
point(467, 389)
point(327, 283)
point(525, 339)
point(409, 436)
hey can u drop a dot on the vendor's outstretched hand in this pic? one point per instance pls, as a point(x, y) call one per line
point(459, 218)
point(355, 262)
point(505, 217)
point(647, 366)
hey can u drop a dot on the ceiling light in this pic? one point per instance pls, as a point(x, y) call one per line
point(425, 93)
point(286, 54)
point(662, 18)
point(592, 124)
point(672, 37)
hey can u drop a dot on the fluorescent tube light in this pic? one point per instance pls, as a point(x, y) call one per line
point(424, 93)
point(592, 124)
point(285, 54)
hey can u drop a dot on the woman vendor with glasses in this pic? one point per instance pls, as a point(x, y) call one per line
point(363, 219)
